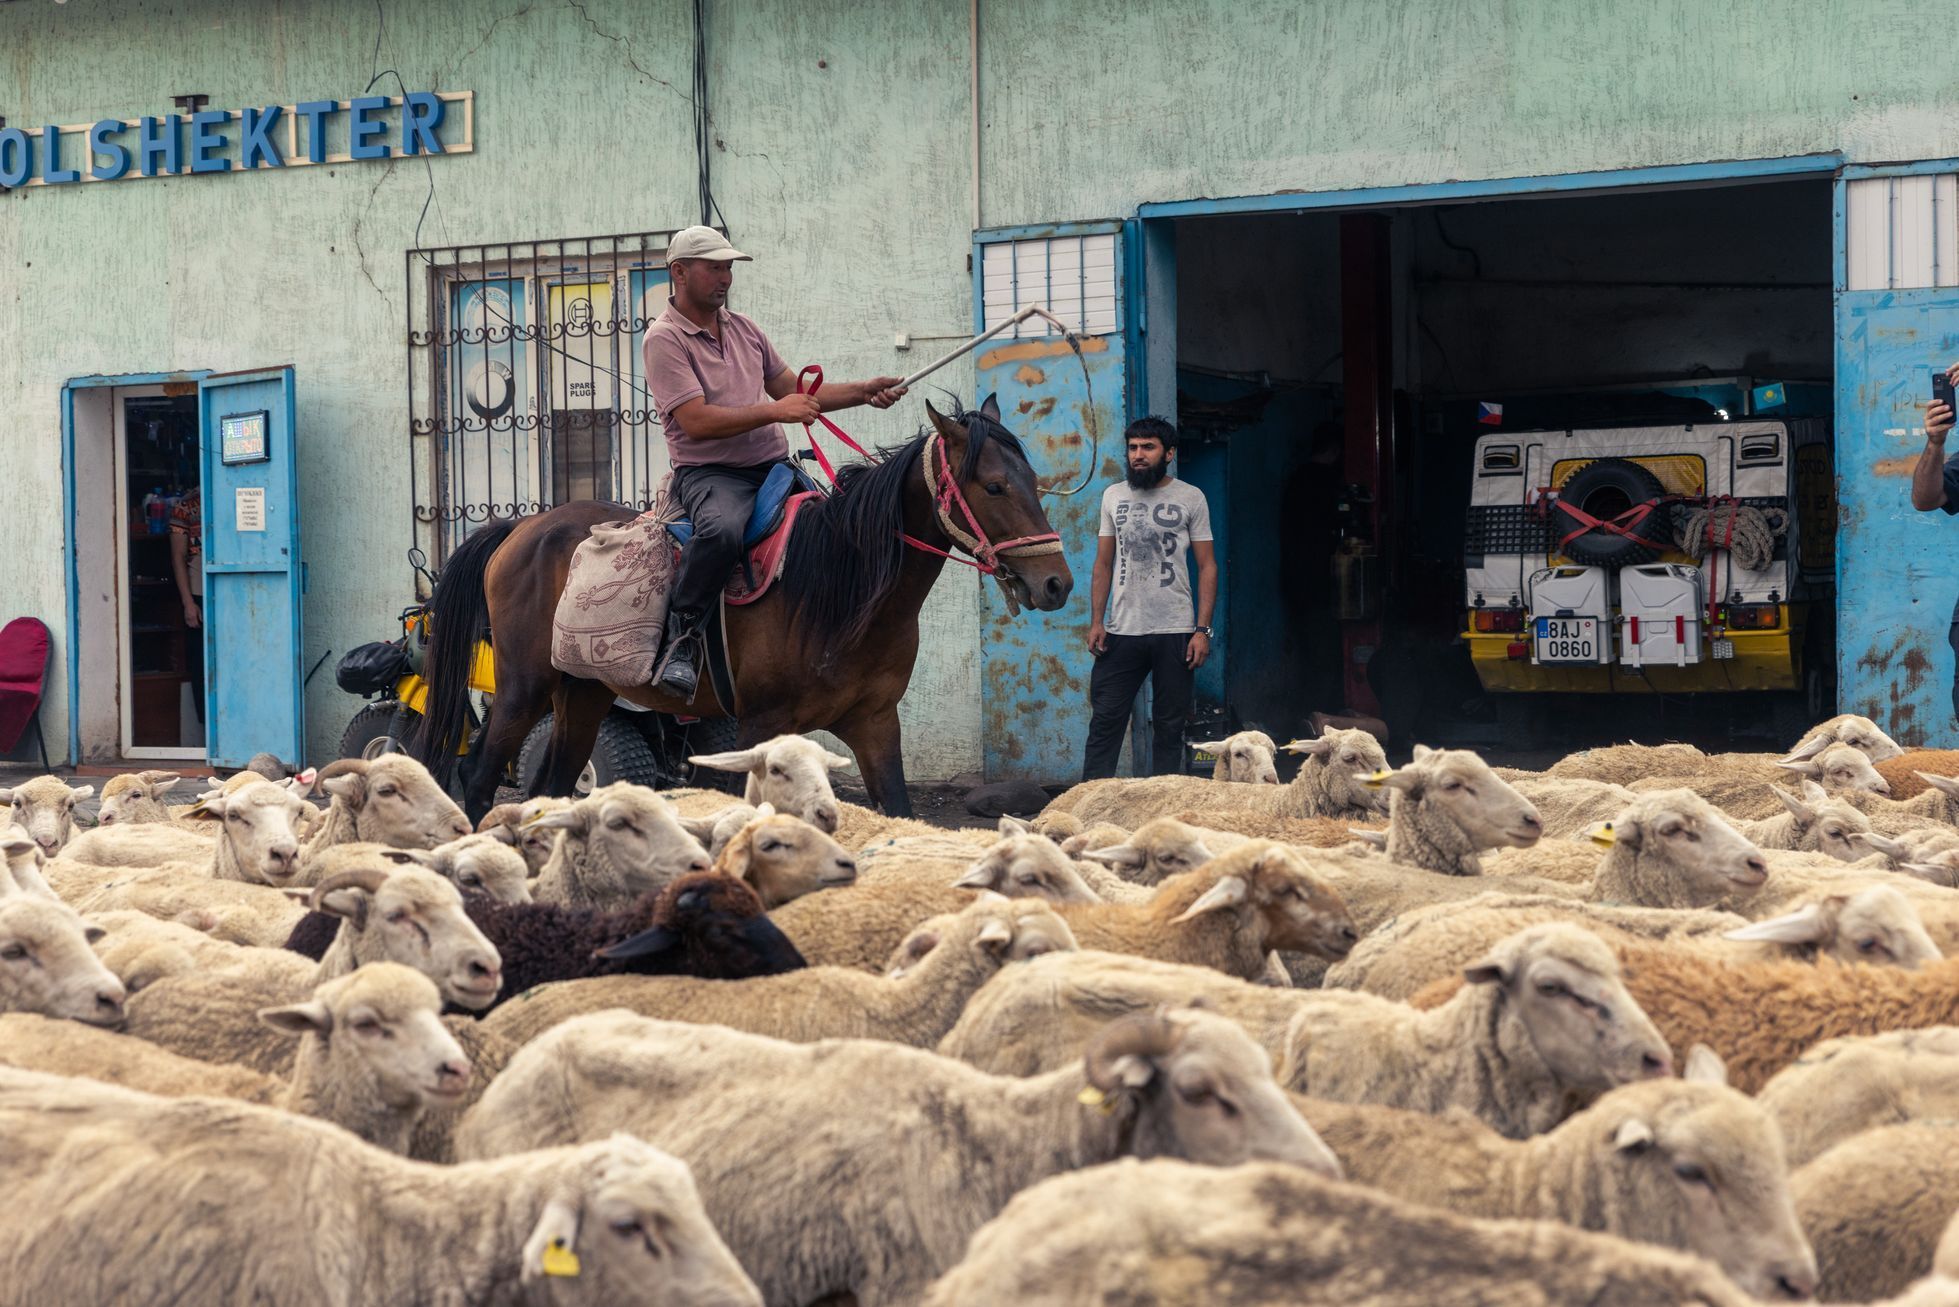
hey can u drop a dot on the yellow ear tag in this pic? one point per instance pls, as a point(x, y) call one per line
point(1095, 1098)
point(1604, 836)
point(560, 1260)
point(1378, 779)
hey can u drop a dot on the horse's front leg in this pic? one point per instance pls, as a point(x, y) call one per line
point(877, 741)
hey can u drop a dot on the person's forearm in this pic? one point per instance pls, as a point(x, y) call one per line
point(1207, 593)
point(717, 422)
point(1928, 478)
point(833, 395)
point(180, 568)
point(1098, 593)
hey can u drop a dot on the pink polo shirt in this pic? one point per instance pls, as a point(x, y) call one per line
point(685, 362)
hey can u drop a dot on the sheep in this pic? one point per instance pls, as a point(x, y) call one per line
point(1570, 805)
point(1937, 802)
point(1447, 806)
point(615, 844)
point(389, 800)
point(718, 827)
point(783, 858)
point(258, 840)
point(1875, 925)
point(1057, 826)
point(509, 822)
point(789, 771)
point(1247, 757)
point(46, 965)
point(1688, 1164)
point(1162, 1232)
point(227, 910)
point(1094, 835)
point(820, 1002)
point(1228, 913)
point(1739, 784)
point(1875, 1206)
point(1906, 772)
point(371, 1056)
point(1622, 764)
point(1932, 844)
point(1157, 850)
point(927, 1150)
point(141, 949)
point(1542, 1019)
point(240, 1203)
point(1326, 786)
point(1313, 832)
point(481, 864)
point(1018, 863)
point(45, 808)
point(1848, 728)
point(703, 924)
point(21, 864)
point(404, 914)
point(1672, 849)
point(1842, 1087)
point(136, 797)
point(1815, 823)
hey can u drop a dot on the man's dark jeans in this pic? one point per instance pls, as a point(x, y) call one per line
point(1119, 672)
point(718, 501)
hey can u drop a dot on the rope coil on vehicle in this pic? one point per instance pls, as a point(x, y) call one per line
point(1747, 533)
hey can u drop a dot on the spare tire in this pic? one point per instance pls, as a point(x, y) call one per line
point(1604, 490)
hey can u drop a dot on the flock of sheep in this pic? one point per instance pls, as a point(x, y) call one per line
point(1650, 1026)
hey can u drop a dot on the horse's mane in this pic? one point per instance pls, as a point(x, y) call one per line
point(845, 555)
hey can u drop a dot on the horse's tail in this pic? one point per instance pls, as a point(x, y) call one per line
point(459, 614)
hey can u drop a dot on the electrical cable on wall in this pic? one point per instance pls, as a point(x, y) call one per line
point(377, 73)
point(703, 155)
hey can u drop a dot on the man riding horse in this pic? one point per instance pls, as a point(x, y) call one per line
point(722, 393)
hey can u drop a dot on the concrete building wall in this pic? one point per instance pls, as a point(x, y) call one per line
point(841, 155)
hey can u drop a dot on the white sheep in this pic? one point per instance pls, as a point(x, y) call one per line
point(1818, 822)
point(1447, 807)
point(482, 864)
point(511, 823)
point(1876, 1205)
point(46, 965)
point(924, 1151)
point(1843, 1087)
point(136, 797)
point(1543, 1019)
point(1326, 786)
point(1853, 729)
point(119, 1196)
point(1739, 783)
point(615, 844)
point(226, 909)
point(1247, 758)
point(788, 771)
point(389, 800)
point(372, 1055)
point(259, 840)
point(1571, 805)
point(45, 808)
point(21, 864)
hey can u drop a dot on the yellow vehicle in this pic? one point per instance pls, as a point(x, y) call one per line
point(1589, 566)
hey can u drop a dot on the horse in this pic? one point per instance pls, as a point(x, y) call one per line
point(831, 646)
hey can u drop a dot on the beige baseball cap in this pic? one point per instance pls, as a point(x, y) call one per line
point(702, 243)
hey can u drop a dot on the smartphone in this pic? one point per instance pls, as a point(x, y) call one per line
point(1942, 389)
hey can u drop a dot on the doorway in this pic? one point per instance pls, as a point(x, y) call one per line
point(161, 574)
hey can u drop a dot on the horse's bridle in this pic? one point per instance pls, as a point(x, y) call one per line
point(944, 489)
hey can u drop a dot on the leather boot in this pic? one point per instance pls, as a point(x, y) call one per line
point(679, 669)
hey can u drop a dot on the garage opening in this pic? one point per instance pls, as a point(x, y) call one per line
point(1384, 408)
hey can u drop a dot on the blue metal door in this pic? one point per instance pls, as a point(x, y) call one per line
point(1035, 668)
point(253, 577)
point(1897, 317)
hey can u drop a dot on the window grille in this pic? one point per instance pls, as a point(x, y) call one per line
point(1073, 277)
point(526, 386)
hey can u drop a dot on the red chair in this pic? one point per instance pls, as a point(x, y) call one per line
point(23, 676)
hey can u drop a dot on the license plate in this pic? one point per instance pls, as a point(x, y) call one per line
point(1567, 640)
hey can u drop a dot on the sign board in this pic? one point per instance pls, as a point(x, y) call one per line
point(242, 140)
point(251, 508)
point(243, 435)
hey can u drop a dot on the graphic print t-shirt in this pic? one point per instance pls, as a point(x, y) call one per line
point(1153, 530)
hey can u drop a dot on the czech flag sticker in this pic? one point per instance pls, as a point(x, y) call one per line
point(1490, 415)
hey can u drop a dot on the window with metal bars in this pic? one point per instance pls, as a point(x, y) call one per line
point(526, 388)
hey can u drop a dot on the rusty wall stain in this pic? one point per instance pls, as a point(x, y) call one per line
point(1029, 375)
point(1917, 666)
point(1054, 347)
point(1894, 467)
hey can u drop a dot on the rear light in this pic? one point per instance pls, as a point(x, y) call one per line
point(1754, 617)
point(1497, 619)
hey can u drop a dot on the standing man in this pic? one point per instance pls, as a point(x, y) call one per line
point(722, 392)
point(187, 566)
point(1935, 484)
point(1142, 583)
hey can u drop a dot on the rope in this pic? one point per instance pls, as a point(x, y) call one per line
point(1747, 533)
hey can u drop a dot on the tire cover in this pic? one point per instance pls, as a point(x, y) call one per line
point(1601, 548)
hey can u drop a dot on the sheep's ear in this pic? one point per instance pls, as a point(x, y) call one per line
point(1704, 1066)
point(1810, 747)
point(93, 933)
point(1806, 767)
point(1421, 751)
point(549, 1249)
point(1814, 793)
point(1229, 892)
point(643, 945)
point(995, 936)
point(701, 828)
point(738, 760)
point(1495, 969)
point(738, 854)
point(210, 807)
point(349, 901)
point(351, 786)
point(1806, 925)
point(1876, 843)
point(299, 894)
point(978, 876)
point(916, 946)
point(1802, 811)
point(311, 1017)
point(835, 761)
point(1625, 829)
point(1311, 748)
point(81, 791)
point(1633, 1136)
point(411, 857)
point(1369, 835)
point(1944, 784)
point(1208, 746)
point(572, 818)
point(1014, 826)
point(1117, 855)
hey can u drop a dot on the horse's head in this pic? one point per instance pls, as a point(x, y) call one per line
point(993, 475)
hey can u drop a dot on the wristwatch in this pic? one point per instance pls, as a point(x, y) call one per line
point(1204, 631)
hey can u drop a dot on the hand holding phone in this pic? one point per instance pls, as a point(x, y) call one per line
point(1939, 416)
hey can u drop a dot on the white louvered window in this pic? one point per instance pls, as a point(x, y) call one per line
point(1902, 232)
point(1072, 277)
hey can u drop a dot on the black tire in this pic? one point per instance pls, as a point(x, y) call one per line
point(713, 735)
point(375, 731)
point(619, 754)
point(1604, 490)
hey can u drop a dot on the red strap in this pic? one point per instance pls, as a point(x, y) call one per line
point(1621, 525)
